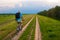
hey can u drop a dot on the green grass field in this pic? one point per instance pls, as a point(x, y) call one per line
point(11, 26)
point(50, 28)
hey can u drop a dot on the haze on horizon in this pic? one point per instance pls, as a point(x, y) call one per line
point(27, 6)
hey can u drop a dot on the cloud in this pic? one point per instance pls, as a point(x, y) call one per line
point(9, 4)
point(9, 1)
point(21, 3)
point(27, 4)
point(47, 3)
point(54, 1)
point(10, 7)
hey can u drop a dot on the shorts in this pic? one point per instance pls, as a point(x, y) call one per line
point(19, 20)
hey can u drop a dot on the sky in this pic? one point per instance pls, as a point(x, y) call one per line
point(26, 6)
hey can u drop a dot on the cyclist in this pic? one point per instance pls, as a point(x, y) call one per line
point(19, 21)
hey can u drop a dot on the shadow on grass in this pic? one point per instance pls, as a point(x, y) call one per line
point(52, 35)
point(50, 31)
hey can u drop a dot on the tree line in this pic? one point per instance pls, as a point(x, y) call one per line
point(53, 13)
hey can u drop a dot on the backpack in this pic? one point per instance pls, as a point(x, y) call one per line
point(17, 15)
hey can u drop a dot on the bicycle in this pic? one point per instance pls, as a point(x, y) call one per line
point(19, 27)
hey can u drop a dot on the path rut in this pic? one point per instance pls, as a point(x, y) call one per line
point(16, 37)
point(37, 31)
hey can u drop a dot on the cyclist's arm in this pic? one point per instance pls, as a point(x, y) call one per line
point(22, 18)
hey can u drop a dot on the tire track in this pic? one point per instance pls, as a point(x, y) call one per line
point(12, 34)
point(37, 31)
point(16, 37)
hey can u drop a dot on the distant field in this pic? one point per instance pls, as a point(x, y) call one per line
point(50, 28)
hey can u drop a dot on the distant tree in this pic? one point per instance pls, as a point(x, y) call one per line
point(53, 12)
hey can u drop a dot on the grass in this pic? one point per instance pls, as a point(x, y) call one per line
point(50, 28)
point(11, 26)
point(6, 18)
point(7, 29)
point(29, 33)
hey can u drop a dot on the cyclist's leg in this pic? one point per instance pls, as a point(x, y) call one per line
point(17, 31)
point(20, 26)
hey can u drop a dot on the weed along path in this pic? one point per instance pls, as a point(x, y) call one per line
point(16, 37)
point(37, 31)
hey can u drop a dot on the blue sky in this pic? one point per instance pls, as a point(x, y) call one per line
point(26, 6)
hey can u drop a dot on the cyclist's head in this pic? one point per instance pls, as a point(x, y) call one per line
point(18, 11)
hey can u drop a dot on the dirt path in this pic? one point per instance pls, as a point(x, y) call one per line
point(16, 37)
point(37, 31)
